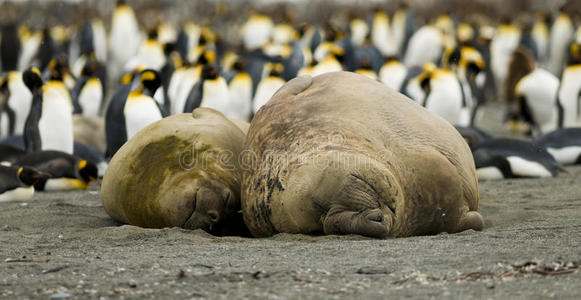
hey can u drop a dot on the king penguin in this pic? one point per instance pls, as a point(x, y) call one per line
point(425, 45)
point(444, 95)
point(17, 183)
point(131, 109)
point(240, 89)
point(9, 47)
point(88, 91)
point(540, 34)
point(32, 139)
point(17, 101)
point(533, 93)
point(564, 145)
point(210, 91)
point(381, 35)
point(393, 73)
point(570, 90)
point(562, 33)
point(256, 31)
point(505, 40)
point(124, 38)
point(56, 121)
point(510, 158)
point(140, 108)
point(9, 154)
point(150, 54)
point(65, 171)
point(268, 86)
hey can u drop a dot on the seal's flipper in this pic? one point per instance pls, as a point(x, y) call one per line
point(372, 223)
point(471, 220)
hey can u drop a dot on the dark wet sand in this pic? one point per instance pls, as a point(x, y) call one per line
point(65, 243)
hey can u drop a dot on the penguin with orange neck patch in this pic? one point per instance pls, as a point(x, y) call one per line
point(65, 171)
point(140, 108)
point(88, 91)
point(16, 183)
point(130, 109)
point(210, 91)
point(32, 140)
point(56, 121)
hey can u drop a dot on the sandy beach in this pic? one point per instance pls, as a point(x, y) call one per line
point(64, 245)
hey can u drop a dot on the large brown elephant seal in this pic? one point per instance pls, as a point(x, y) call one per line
point(343, 154)
point(180, 171)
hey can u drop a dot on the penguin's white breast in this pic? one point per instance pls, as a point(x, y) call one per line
point(266, 88)
point(20, 101)
point(56, 122)
point(526, 168)
point(18, 194)
point(65, 184)
point(90, 97)
point(216, 95)
point(566, 155)
point(140, 111)
point(489, 173)
point(393, 75)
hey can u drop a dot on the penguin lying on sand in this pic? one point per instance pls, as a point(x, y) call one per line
point(66, 172)
point(563, 144)
point(16, 183)
point(9, 154)
point(474, 136)
point(508, 158)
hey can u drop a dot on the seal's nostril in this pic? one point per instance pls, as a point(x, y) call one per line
point(213, 216)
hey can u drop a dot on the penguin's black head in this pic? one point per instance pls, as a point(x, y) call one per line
point(472, 70)
point(338, 53)
point(169, 48)
point(207, 57)
point(151, 80)
point(454, 57)
point(425, 82)
point(58, 67)
point(575, 54)
point(32, 79)
point(210, 72)
point(239, 65)
point(30, 176)
point(276, 70)
point(330, 33)
point(366, 63)
point(152, 34)
point(4, 85)
point(121, 2)
point(88, 171)
point(202, 41)
point(90, 68)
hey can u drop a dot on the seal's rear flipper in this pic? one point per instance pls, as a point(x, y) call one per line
point(371, 223)
point(471, 220)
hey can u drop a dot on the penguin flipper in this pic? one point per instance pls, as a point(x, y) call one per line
point(76, 92)
point(115, 129)
point(194, 99)
point(11, 119)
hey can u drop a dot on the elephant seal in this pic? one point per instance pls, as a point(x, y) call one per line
point(342, 154)
point(181, 171)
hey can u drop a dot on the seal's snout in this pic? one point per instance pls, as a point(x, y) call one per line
point(213, 216)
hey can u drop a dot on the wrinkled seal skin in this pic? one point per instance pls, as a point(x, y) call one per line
point(180, 171)
point(341, 154)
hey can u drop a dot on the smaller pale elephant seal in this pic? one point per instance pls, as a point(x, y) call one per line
point(181, 171)
point(342, 154)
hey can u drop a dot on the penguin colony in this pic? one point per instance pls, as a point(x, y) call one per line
point(122, 77)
